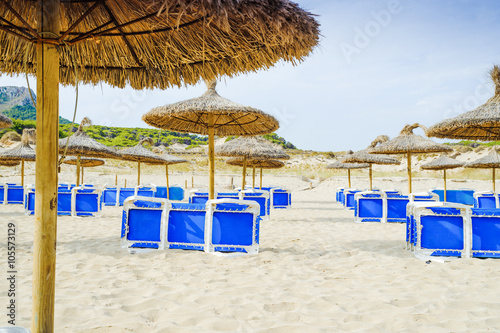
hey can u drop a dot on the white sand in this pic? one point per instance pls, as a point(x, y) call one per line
point(317, 271)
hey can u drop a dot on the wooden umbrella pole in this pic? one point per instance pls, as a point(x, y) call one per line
point(22, 173)
point(78, 170)
point(244, 173)
point(211, 156)
point(408, 161)
point(116, 179)
point(138, 173)
point(253, 177)
point(82, 167)
point(166, 171)
point(47, 110)
point(349, 177)
point(370, 174)
point(493, 174)
point(444, 175)
point(261, 178)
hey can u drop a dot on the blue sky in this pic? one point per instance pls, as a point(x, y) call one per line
point(380, 65)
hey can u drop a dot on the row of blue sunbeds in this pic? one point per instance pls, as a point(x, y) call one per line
point(434, 228)
point(228, 224)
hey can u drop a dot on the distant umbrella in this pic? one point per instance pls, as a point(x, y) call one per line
point(348, 167)
point(140, 155)
point(167, 160)
point(251, 148)
point(408, 143)
point(80, 144)
point(364, 156)
point(492, 160)
point(482, 123)
point(22, 152)
point(256, 164)
point(213, 115)
point(5, 121)
point(443, 162)
point(85, 162)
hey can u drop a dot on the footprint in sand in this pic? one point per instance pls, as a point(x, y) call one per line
point(280, 307)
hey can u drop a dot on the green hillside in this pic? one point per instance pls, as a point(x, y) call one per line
point(27, 112)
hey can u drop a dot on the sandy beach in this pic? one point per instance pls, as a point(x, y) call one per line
point(317, 271)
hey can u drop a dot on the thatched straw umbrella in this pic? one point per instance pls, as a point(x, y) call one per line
point(85, 162)
point(482, 123)
point(9, 163)
point(21, 153)
point(80, 144)
point(5, 121)
point(252, 147)
point(167, 159)
point(348, 167)
point(213, 115)
point(259, 164)
point(443, 162)
point(140, 155)
point(144, 43)
point(408, 143)
point(492, 160)
point(365, 156)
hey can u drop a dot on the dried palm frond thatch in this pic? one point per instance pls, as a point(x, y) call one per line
point(22, 152)
point(80, 144)
point(86, 162)
point(409, 143)
point(255, 164)
point(443, 162)
point(251, 147)
point(9, 163)
point(365, 156)
point(230, 118)
point(158, 44)
point(347, 166)
point(9, 138)
point(492, 160)
point(258, 164)
point(480, 124)
point(139, 153)
point(5, 121)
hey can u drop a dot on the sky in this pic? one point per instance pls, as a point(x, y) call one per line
point(380, 64)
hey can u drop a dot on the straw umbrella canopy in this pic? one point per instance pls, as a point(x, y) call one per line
point(143, 43)
point(252, 147)
point(140, 154)
point(5, 121)
point(365, 156)
point(22, 152)
point(348, 167)
point(80, 144)
point(408, 143)
point(213, 115)
point(482, 123)
point(492, 160)
point(85, 162)
point(443, 162)
point(165, 159)
point(259, 164)
point(9, 163)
